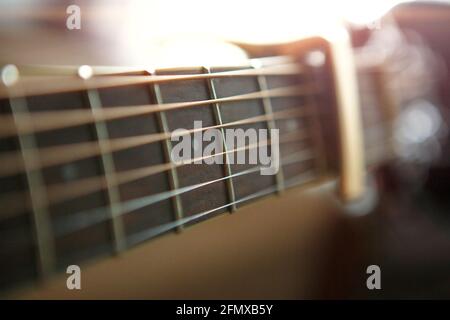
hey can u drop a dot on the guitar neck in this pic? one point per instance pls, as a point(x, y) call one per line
point(86, 161)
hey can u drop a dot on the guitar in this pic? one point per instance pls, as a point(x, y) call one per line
point(88, 177)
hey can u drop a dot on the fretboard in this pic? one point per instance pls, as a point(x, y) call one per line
point(86, 167)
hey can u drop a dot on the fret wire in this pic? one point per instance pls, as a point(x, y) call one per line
point(153, 232)
point(90, 217)
point(167, 146)
point(41, 218)
point(57, 193)
point(57, 154)
point(107, 161)
point(51, 120)
point(268, 110)
point(218, 121)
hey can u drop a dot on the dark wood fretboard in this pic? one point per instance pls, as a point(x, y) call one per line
point(86, 168)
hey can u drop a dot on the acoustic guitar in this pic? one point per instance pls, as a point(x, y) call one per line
point(88, 180)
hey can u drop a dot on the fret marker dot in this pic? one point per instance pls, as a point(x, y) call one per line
point(9, 75)
point(85, 72)
point(315, 58)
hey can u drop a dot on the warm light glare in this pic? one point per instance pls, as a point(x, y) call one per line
point(365, 12)
point(155, 22)
point(252, 20)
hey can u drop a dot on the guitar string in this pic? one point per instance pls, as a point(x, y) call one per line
point(135, 174)
point(70, 70)
point(52, 120)
point(140, 236)
point(38, 85)
point(65, 191)
point(160, 229)
point(228, 124)
point(85, 219)
point(136, 238)
point(208, 103)
point(88, 218)
point(61, 154)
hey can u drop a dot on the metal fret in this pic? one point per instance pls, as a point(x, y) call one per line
point(109, 172)
point(268, 110)
point(41, 217)
point(167, 147)
point(218, 121)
